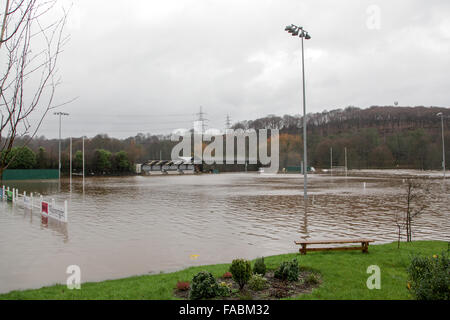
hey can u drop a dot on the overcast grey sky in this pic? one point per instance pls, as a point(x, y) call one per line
point(147, 66)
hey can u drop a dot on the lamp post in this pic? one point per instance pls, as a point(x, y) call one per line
point(345, 156)
point(83, 164)
point(70, 164)
point(59, 148)
point(300, 32)
point(443, 146)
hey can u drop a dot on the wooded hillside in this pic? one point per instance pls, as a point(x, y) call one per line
point(377, 137)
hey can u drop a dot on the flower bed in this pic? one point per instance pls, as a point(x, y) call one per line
point(276, 288)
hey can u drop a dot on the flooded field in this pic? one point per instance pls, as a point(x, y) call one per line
point(122, 226)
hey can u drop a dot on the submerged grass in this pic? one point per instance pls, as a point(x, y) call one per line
point(343, 276)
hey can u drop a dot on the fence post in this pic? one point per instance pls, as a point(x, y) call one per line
point(65, 210)
point(31, 201)
point(13, 194)
point(3, 193)
point(24, 198)
point(40, 203)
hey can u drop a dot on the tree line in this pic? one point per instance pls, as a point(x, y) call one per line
point(101, 161)
point(377, 137)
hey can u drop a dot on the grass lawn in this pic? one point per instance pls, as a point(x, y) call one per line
point(343, 273)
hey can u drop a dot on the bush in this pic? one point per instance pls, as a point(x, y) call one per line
point(241, 270)
point(203, 286)
point(430, 277)
point(288, 270)
point(257, 282)
point(227, 275)
point(312, 278)
point(182, 285)
point(224, 290)
point(260, 267)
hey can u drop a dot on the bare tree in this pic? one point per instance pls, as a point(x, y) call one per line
point(31, 40)
point(415, 196)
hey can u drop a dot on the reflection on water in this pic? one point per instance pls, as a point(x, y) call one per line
point(135, 225)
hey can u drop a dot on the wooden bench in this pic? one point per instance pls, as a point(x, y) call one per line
point(364, 245)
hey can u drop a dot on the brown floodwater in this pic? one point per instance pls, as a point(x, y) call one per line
point(122, 226)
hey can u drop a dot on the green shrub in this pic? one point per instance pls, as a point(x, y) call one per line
point(203, 286)
point(224, 289)
point(260, 267)
point(288, 270)
point(312, 278)
point(241, 270)
point(429, 278)
point(257, 282)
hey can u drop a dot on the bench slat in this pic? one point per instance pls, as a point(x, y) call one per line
point(335, 248)
point(334, 241)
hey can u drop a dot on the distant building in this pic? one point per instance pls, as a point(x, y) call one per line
point(239, 165)
point(181, 166)
point(190, 165)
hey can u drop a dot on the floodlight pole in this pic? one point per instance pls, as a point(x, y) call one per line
point(299, 31)
point(305, 156)
point(83, 163)
point(345, 152)
point(70, 161)
point(59, 147)
point(443, 146)
point(331, 161)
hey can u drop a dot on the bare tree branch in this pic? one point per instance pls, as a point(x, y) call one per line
point(31, 44)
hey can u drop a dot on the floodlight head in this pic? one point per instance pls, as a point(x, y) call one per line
point(288, 28)
point(307, 36)
point(439, 114)
point(295, 33)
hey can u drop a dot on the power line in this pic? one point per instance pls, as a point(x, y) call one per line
point(130, 123)
point(134, 115)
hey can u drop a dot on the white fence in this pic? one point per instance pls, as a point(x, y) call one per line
point(47, 209)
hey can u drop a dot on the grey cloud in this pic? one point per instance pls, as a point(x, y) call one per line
point(165, 58)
